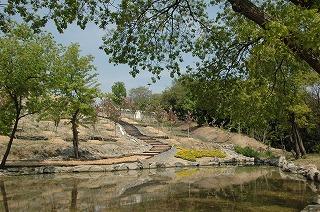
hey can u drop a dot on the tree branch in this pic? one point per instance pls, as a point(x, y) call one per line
point(255, 14)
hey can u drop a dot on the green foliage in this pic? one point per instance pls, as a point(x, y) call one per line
point(178, 99)
point(193, 154)
point(119, 92)
point(26, 66)
point(317, 148)
point(246, 151)
point(140, 96)
point(75, 86)
point(250, 152)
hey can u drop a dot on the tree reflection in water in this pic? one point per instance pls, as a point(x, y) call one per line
point(4, 196)
point(74, 196)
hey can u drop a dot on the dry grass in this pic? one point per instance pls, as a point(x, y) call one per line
point(310, 159)
point(59, 146)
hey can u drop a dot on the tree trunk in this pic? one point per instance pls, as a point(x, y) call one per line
point(75, 133)
point(115, 129)
point(12, 135)
point(296, 147)
point(296, 134)
point(255, 14)
point(299, 140)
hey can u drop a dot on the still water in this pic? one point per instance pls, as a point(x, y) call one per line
point(190, 189)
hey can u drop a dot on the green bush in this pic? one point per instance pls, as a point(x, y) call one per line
point(249, 152)
point(317, 148)
point(246, 151)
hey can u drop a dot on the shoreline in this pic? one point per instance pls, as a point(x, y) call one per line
point(309, 172)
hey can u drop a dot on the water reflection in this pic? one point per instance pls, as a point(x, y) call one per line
point(4, 196)
point(192, 189)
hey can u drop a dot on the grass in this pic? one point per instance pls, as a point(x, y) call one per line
point(193, 154)
point(250, 152)
point(310, 159)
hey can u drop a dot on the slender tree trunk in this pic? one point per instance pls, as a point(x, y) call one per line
point(12, 135)
point(4, 196)
point(296, 146)
point(299, 141)
point(75, 133)
point(296, 134)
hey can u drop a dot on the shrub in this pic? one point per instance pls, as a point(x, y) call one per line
point(249, 152)
point(193, 154)
point(246, 151)
point(317, 148)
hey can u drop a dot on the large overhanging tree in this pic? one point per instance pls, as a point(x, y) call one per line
point(153, 35)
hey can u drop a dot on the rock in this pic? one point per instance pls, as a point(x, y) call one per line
point(96, 168)
point(311, 208)
point(64, 169)
point(289, 167)
point(39, 170)
point(281, 161)
point(157, 165)
point(179, 164)
point(214, 163)
point(316, 199)
point(120, 167)
point(316, 177)
point(273, 161)
point(82, 168)
point(48, 169)
point(123, 167)
point(115, 167)
point(13, 169)
point(194, 164)
point(312, 174)
point(135, 166)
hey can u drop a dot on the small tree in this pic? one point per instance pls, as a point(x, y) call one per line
point(76, 87)
point(119, 93)
point(26, 62)
point(172, 118)
point(140, 96)
point(160, 115)
point(110, 111)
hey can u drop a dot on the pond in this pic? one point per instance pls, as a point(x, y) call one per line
point(188, 189)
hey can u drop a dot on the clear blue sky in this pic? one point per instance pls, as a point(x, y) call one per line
point(90, 40)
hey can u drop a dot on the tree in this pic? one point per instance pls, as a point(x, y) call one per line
point(27, 61)
point(154, 36)
point(177, 98)
point(140, 96)
point(75, 87)
point(162, 31)
point(119, 92)
point(110, 111)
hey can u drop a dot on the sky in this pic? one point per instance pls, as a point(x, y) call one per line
point(90, 39)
